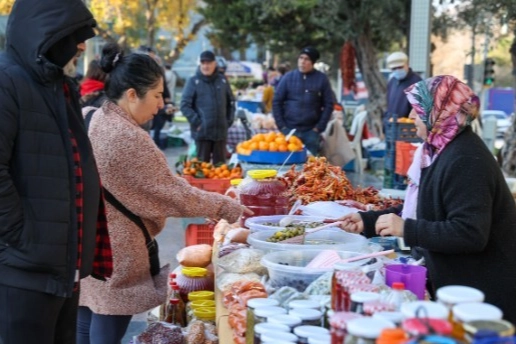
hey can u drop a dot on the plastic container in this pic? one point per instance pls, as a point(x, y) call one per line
point(326, 239)
point(271, 222)
point(261, 314)
point(285, 319)
point(196, 234)
point(207, 315)
point(201, 295)
point(396, 297)
point(191, 306)
point(233, 190)
point(264, 194)
point(305, 332)
point(427, 309)
point(308, 316)
point(260, 329)
point(253, 304)
point(193, 279)
point(288, 268)
point(278, 337)
point(366, 330)
point(412, 276)
point(360, 298)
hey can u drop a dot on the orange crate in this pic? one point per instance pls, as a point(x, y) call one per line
point(214, 185)
point(196, 234)
point(404, 156)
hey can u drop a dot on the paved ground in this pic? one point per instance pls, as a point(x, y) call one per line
point(171, 240)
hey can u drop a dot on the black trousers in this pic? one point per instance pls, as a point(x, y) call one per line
point(211, 150)
point(30, 317)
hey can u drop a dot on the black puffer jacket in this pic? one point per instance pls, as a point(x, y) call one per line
point(38, 218)
point(209, 105)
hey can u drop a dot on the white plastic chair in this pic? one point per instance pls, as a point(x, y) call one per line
point(357, 128)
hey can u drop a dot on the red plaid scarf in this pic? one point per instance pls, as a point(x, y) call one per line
point(103, 258)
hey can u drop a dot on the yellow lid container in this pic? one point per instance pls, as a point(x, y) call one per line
point(262, 174)
point(235, 182)
point(201, 295)
point(194, 272)
point(205, 313)
point(202, 304)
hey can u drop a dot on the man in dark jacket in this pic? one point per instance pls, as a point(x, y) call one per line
point(50, 196)
point(402, 77)
point(209, 105)
point(303, 100)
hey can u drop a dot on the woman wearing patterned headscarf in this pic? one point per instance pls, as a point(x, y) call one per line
point(458, 208)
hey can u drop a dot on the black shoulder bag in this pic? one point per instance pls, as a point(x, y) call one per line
point(152, 244)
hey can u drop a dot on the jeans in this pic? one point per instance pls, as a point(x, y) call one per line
point(31, 317)
point(157, 124)
point(101, 329)
point(310, 138)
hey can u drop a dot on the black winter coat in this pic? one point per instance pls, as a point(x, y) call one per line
point(38, 217)
point(209, 105)
point(466, 223)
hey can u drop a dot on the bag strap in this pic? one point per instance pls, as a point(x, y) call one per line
point(133, 217)
point(87, 121)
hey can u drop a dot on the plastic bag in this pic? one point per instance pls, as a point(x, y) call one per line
point(195, 256)
point(330, 210)
point(321, 286)
point(243, 261)
point(286, 294)
point(160, 333)
point(226, 279)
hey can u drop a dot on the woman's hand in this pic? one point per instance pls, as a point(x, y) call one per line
point(352, 223)
point(389, 225)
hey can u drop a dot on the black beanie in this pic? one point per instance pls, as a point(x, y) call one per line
point(64, 50)
point(312, 53)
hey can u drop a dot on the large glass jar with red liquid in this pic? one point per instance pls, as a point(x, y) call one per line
point(264, 194)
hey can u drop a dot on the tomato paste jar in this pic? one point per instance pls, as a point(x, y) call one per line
point(263, 194)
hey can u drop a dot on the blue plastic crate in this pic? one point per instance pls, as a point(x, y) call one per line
point(377, 153)
point(392, 180)
point(264, 157)
point(401, 132)
point(390, 160)
point(252, 106)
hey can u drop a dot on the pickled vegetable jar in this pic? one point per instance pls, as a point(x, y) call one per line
point(264, 194)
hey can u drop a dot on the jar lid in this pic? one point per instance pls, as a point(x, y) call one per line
point(235, 182)
point(472, 311)
point(364, 296)
point(201, 295)
point(392, 335)
point(205, 313)
point(502, 327)
point(425, 309)
point(262, 174)
point(367, 327)
point(340, 320)
point(306, 331)
point(202, 303)
point(270, 327)
point(320, 339)
point(304, 304)
point(262, 302)
point(265, 312)
point(194, 272)
point(306, 313)
point(278, 337)
point(395, 317)
point(453, 294)
point(289, 320)
point(422, 326)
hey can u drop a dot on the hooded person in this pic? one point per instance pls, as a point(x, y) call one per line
point(52, 221)
point(303, 100)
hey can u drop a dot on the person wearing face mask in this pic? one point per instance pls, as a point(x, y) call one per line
point(52, 221)
point(402, 77)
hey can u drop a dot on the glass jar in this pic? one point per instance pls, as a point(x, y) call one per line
point(261, 314)
point(421, 326)
point(473, 311)
point(395, 317)
point(427, 309)
point(285, 319)
point(358, 300)
point(338, 324)
point(265, 327)
point(343, 279)
point(263, 194)
point(274, 337)
point(253, 304)
point(502, 328)
point(304, 304)
point(206, 315)
point(304, 332)
point(453, 295)
point(366, 330)
point(308, 316)
point(194, 279)
point(191, 306)
point(320, 339)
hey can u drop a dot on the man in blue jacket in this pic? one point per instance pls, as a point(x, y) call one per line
point(402, 77)
point(304, 101)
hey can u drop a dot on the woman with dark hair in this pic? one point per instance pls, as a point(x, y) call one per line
point(92, 88)
point(136, 173)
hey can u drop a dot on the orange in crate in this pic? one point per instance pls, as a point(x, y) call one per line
point(214, 185)
point(196, 234)
point(404, 156)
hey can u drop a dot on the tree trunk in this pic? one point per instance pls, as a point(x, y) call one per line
point(184, 40)
point(374, 81)
point(150, 15)
point(509, 148)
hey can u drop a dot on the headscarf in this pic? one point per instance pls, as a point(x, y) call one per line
point(446, 105)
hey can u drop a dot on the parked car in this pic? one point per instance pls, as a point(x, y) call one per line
point(503, 122)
